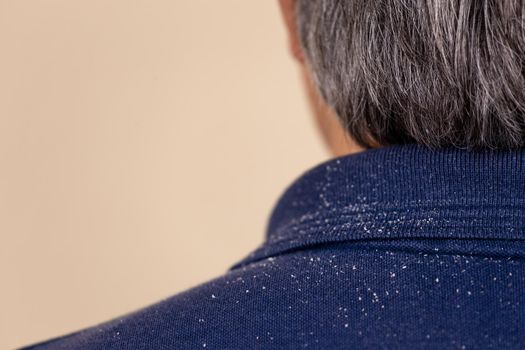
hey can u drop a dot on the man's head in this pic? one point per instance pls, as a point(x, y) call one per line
point(439, 73)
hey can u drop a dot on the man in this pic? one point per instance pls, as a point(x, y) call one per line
point(415, 240)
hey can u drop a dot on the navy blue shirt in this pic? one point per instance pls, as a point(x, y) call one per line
point(400, 247)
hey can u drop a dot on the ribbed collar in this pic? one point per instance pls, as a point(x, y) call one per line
point(407, 191)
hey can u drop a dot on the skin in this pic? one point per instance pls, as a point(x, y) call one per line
point(335, 137)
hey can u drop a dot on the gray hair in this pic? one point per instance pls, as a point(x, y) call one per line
point(435, 72)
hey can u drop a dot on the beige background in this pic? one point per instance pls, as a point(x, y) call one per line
point(142, 147)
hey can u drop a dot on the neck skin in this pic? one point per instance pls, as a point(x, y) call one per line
point(335, 137)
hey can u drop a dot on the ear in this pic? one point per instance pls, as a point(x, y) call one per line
point(288, 12)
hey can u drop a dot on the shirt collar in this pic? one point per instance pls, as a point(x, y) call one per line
point(406, 191)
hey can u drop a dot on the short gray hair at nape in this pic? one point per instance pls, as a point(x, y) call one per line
point(435, 72)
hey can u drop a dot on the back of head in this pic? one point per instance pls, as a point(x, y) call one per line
point(439, 73)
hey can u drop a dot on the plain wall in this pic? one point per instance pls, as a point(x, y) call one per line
point(142, 147)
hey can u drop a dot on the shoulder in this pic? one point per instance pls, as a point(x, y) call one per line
point(359, 294)
point(285, 301)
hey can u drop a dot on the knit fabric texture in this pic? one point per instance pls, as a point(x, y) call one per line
point(401, 247)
